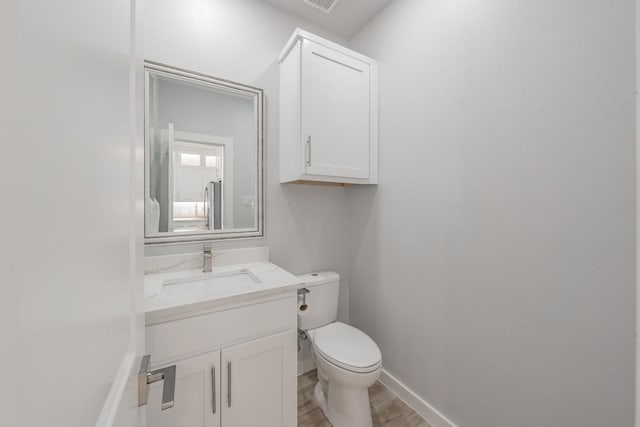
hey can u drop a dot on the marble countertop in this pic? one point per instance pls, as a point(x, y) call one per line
point(194, 295)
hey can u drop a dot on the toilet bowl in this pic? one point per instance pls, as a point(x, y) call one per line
point(348, 360)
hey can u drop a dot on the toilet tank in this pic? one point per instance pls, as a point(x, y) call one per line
point(322, 299)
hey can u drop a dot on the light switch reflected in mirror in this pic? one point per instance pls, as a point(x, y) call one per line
point(203, 157)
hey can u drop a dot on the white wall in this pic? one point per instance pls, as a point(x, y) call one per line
point(10, 289)
point(306, 226)
point(68, 256)
point(637, 3)
point(494, 263)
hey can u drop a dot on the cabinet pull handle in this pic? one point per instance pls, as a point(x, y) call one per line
point(229, 385)
point(309, 150)
point(213, 388)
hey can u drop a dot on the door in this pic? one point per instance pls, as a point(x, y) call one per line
point(259, 383)
point(335, 113)
point(74, 245)
point(197, 395)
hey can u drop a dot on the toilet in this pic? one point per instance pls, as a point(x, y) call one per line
point(348, 360)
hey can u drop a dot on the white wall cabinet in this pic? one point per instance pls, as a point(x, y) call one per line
point(328, 113)
point(249, 381)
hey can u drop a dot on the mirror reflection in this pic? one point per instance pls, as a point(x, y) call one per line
point(204, 154)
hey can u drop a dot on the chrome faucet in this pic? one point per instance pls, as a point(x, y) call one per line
point(208, 256)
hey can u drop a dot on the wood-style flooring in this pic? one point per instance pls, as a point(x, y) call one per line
point(387, 409)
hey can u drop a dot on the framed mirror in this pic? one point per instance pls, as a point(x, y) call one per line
point(203, 157)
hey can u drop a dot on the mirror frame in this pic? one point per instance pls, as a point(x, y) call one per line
point(228, 85)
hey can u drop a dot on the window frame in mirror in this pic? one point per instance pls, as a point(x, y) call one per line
point(156, 68)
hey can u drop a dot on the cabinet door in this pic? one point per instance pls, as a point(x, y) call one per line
point(259, 383)
point(335, 113)
point(197, 397)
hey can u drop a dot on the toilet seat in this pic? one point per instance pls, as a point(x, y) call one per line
point(347, 347)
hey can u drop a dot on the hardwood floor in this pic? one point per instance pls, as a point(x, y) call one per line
point(387, 409)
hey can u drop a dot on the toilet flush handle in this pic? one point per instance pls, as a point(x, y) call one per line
point(303, 292)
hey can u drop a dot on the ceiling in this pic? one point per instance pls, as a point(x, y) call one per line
point(346, 18)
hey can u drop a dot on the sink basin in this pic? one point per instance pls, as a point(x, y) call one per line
point(176, 293)
point(209, 283)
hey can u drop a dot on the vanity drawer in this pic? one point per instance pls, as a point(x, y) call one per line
point(175, 339)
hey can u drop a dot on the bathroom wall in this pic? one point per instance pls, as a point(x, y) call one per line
point(70, 247)
point(494, 263)
point(9, 312)
point(306, 227)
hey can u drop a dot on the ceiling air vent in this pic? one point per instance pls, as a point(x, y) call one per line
point(324, 5)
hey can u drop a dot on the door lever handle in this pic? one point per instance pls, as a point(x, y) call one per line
point(146, 377)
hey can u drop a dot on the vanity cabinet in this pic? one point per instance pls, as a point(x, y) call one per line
point(196, 403)
point(256, 387)
point(235, 367)
point(328, 113)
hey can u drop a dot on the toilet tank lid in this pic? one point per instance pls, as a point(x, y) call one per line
point(318, 278)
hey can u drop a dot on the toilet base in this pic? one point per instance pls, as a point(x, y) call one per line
point(346, 407)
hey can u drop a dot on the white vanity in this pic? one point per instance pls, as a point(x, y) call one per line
point(232, 336)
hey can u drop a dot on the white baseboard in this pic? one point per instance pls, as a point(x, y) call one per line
point(415, 402)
